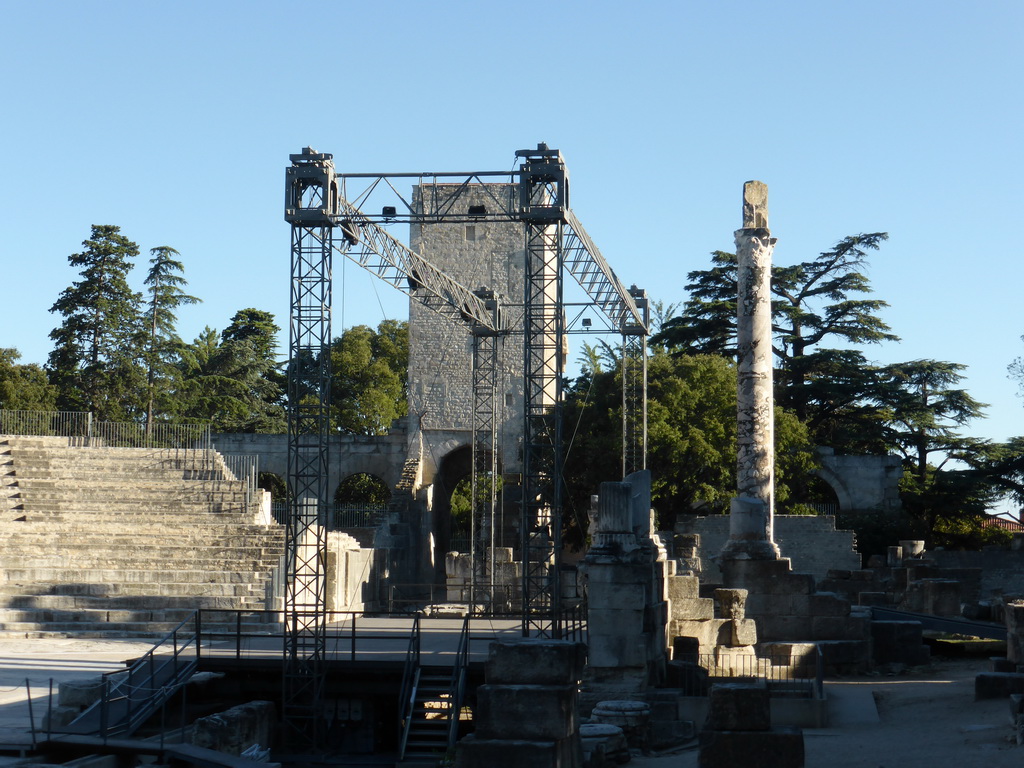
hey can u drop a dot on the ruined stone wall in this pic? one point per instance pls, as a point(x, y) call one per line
point(862, 483)
point(477, 255)
point(811, 542)
point(1002, 570)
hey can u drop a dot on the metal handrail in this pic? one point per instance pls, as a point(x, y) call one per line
point(147, 684)
point(86, 431)
point(457, 690)
point(410, 682)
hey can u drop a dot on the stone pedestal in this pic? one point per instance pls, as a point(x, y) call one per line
point(527, 712)
point(739, 730)
point(626, 607)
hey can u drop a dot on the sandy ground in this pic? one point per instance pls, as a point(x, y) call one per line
point(926, 718)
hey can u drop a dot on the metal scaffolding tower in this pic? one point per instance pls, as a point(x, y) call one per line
point(311, 200)
point(485, 477)
point(318, 200)
point(634, 386)
point(543, 194)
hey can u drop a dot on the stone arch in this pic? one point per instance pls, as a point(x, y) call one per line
point(455, 465)
point(862, 483)
point(838, 484)
point(360, 500)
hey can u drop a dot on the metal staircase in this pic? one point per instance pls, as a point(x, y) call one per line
point(432, 704)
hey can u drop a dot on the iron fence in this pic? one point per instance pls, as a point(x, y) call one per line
point(339, 516)
point(82, 429)
point(244, 469)
point(786, 676)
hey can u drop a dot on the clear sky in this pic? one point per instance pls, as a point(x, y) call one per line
point(174, 121)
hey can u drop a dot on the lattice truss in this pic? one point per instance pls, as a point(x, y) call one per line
point(320, 201)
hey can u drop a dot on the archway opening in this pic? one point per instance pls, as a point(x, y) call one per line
point(360, 501)
point(275, 484)
point(816, 497)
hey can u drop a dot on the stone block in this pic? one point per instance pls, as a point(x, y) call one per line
point(772, 627)
point(535, 662)
point(536, 712)
point(79, 693)
point(616, 651)
point(473, 752)
point(781, 747)
point(846, 656)
point(896, 642)
point(1000, 664)
point(998, 685)
point(942, 597)
point(691, 609)
point(236, 729)
point(739, 707)
point(827, 604)
point(685, 648)
point(683, 587)
point(837, 628)
point(615, 621)
point(744, 632)
point(612, 595)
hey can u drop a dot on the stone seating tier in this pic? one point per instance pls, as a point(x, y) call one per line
point(124, 542)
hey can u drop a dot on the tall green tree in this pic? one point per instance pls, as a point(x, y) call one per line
point(369, 377)
point(815, 304)
point(97, 362)
point(225, 384)
point(24, 386)
point(164, 286)
point(691, 449)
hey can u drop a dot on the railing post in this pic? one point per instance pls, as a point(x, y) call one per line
point(88, 430)
point(238, 635)
point(353, 652)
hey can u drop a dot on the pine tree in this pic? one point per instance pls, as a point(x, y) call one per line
point(97, 362)
point(164, 283)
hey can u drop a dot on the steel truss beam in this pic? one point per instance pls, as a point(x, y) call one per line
point(376, 250)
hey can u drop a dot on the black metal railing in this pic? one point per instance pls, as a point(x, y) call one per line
point(410, 682)
point(457, 690)
point(785, 675)
point(128, 698)
point(83, 429)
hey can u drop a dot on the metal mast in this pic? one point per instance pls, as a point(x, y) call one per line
point(484, 479)
point(544, 190)
point(311, 203)
point(634, 386)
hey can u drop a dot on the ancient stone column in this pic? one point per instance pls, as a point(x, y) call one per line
point(750, 528)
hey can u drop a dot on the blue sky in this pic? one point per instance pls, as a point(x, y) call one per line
point(175, 121)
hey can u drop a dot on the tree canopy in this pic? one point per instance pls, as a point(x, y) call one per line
point(369, 379)
point(96, 363)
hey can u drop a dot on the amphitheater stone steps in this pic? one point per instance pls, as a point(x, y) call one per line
point(103, 542)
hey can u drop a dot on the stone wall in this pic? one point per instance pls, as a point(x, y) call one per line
point(812, 543)
point(380, 455)
point(862, 483)
point(1002, 570)
point(477, 255)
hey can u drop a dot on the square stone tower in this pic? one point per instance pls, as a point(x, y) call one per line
point(477, 254)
